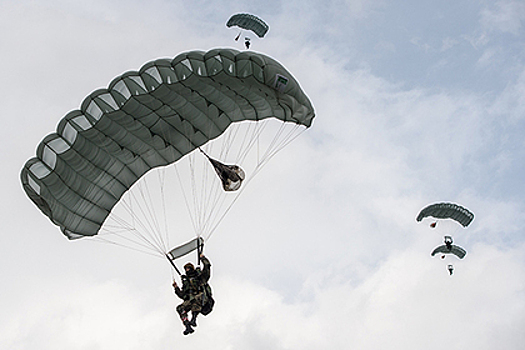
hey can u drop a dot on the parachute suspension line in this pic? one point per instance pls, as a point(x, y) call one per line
point(277, 144)
point(134, 226)
point(153, 222)
point(162, 180)
point(294, 132)
point(254, 130)
point(128, 234)
point(217, 198)
point(103, 240)
point(128, 239)
point(186, 201)
point(202, 198)
point(254, 139)
point(214, 196)
point(234, 136)
point(139, 229)
point(258, 149)
point(198, 196)
point(131, 235)
point(249, 137)
point(152, 227)
point(274, 146)
point(206, 193)
point(239, 192)
point(198, 205)
point(253, 136)
point(206, 187)
point(210, 194)
point(162, 229)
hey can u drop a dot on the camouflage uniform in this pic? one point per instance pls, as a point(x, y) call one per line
point(193, 293)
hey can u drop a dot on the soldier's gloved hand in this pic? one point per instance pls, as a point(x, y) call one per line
point(174, 284)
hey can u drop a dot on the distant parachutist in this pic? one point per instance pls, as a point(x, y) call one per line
point(247, 43)
point(449, 248)
point(454, 212)
point(249, 22)
point(448, 242)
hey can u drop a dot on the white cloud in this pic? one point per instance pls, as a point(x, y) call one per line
point(511, 101)
point(505, 16)
point(78, 314)
point(448, 43)
point(409, 301)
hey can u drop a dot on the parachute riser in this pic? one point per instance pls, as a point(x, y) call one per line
point(200, 149)
point(200, 248)
point(173, 264)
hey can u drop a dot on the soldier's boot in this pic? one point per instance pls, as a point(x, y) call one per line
point(188, 329)
point(193, 321)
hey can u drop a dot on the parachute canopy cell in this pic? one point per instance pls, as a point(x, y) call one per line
point(249, 22)
point(148, 119)
point(447, 211)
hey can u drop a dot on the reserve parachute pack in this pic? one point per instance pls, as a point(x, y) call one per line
point(209, 302)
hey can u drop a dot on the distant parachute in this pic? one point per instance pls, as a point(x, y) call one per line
point(454, 249)
point(156, 117)
point(249, 22)
point(447, 211)
point(455, 216)
point(449, 248)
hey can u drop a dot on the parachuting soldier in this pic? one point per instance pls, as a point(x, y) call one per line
point(195, 292)
point(454, 212)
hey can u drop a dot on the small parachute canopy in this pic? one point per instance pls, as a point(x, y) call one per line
point(249, 22)
point(447, 211)
point(450, 249)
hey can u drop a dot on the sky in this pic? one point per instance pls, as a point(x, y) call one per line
point(416, 102)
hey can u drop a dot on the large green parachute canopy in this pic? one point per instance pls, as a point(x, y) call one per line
point(148, 119)
point(249, 22)
point(447, 211)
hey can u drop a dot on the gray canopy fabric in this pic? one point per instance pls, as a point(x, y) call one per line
point(148, 119)
point(447, 211)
